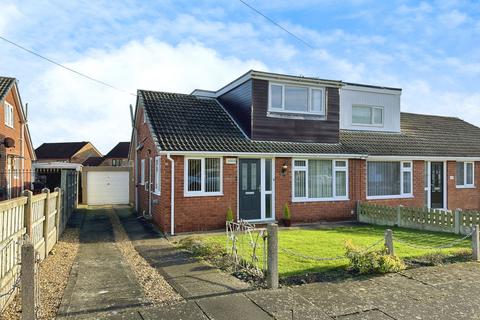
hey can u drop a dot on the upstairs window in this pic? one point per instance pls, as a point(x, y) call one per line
point(465, 175)
point(367, 115)
point(296, 99)
point(8, 110)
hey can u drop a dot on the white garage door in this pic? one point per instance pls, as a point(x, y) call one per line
point(107, 187)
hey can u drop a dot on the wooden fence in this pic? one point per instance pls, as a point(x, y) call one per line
point(38, 217)
point(458, 221)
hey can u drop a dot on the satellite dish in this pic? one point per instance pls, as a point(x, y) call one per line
point(9, 142)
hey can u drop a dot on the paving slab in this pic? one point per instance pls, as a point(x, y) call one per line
point(232, 307)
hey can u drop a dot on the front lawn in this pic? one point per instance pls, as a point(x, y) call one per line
point(325, 243)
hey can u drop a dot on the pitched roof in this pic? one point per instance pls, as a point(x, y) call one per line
point(93, 161)
point(119, 151)
point(5, 84)
point(59, 150)
point(190, 123)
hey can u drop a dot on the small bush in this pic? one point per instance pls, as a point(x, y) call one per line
point(229, 215)
point(369, 262)
point(201, 248)
point(287, 215)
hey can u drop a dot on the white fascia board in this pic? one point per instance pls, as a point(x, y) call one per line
point(430, 158)
point(372, 90)
point(295, 79)
point(262, 155)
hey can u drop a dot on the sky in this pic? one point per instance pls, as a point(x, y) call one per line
point(429, 49)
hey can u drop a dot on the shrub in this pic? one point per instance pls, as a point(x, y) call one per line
point(229, 215)
point(201, 248)
point(369, 262)
point(286, 212)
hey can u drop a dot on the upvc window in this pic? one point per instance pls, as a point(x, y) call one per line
point(317, 180)
point(387, 179)
point(203, 176)
point(157, 175)
point(8, 111)
point(367, 115)
point(142, 172)
point(296, 99)
point(465, 174)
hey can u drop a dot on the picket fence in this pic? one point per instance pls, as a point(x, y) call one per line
point(458, 221)
point(36, 217)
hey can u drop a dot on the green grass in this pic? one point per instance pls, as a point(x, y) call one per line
point(330, 243)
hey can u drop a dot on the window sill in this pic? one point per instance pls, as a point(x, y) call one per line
point(9, 126)
point(295, 115)
point(390, 197)
point(261, 221)
point(296, 200)
point(466, 187)
point(156, 193)
point(204, 194)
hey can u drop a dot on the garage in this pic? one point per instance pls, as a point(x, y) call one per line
point(107, 187)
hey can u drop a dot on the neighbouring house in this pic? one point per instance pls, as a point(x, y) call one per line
point(72, 152)
point(16, 149)
point(117, 157)
point(266, 140)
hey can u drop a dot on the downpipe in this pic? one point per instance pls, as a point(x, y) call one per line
point(172, 195)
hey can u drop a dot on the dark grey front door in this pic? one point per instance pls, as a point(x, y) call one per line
point(436, 185)
point(250, 191)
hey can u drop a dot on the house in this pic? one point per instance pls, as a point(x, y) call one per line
point(266, 140)
point(117, 157)
point(16, 149)
point(72, 152)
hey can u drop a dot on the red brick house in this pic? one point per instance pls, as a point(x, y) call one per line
point(318, 145)
point(16, 149)
point(117, 157)
point(72, 152)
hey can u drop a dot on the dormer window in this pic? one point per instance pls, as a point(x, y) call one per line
point(296, 99)
point(367, 115)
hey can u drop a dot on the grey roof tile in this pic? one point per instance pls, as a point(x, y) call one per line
point(5, 85)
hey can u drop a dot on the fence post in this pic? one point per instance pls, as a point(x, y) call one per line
point(358, 208)
point(399, 215)
point(28, 281)
point(475, 243)
point(59, 211)
point(28, 213)
point(458, 221)
point(272, 264)
point(46, 213)
point(389, 242)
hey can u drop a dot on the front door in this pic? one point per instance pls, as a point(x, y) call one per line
point(250, 190)
point(436, 185)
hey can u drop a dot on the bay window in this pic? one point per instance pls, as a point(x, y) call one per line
point(465, 174)
point(296, 99)
point(319, 179)
point(389, 179)
point(203, 176)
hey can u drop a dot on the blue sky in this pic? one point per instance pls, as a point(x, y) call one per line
point(430, 49)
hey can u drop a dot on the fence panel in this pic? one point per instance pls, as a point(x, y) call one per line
point(377, 214)
point(38, 218)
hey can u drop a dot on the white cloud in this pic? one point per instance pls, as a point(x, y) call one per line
point(67, 107)
point(452, 19)
point(9, 16)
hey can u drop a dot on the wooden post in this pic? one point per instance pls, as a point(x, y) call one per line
point(399, 215)
point(475, 244)
point(272, 245)
point(458, 221)
point(59, 211)
point(28, 281)
point(358, 208)
point(46, 213)
point(389, 242)
point(29, 213)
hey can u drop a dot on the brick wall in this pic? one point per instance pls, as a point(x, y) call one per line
point(464, 198)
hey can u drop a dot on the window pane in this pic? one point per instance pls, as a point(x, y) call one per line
point(469, 173)
point(276, 98)
point(268, 206)
point(341, 183)
point(361, 115)
point(317, 101)
point(296, 99)
point(460, 173)
point(300, 163)
point(244, 176)
point(320, 179)
point(268, 174)
point(194, 182)
point(341, 164)
point(377, 116)
point(300, 184)
point(253, 174)
point(212, 175)
point(407, 182)
point(383, 178)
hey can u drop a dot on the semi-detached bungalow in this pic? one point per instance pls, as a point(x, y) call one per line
point(268, 139)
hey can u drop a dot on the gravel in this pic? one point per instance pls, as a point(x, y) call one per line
point(155, 288)
point(53, 278)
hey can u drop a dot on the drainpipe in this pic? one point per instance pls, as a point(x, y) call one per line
point(135, 158)
point(172, 195)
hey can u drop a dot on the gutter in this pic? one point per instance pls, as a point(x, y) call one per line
point(172, 195)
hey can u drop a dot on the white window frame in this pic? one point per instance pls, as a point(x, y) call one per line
point(371, 124)
point(158, 175)
point(202, 192)
point(465, 185)
point(402, 194)
point(8, 113)
point(282, 109)
point(335, 169)
point(142, 172)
